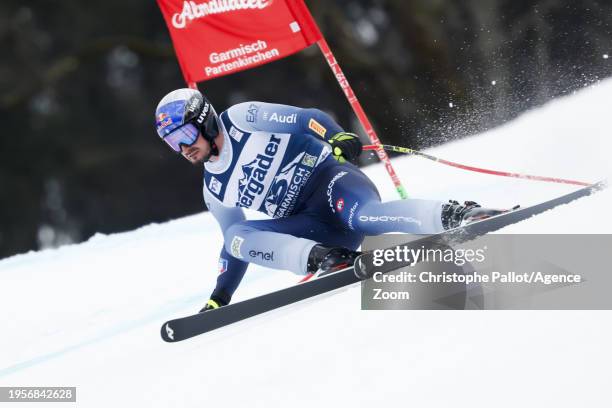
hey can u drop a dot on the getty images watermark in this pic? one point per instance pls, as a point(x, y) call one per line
point(491, 272)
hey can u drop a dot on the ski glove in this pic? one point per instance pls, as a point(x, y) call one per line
point(345, 146)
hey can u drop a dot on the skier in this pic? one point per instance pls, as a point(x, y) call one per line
point(295, 165)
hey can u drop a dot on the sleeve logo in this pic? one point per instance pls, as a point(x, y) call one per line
point(251, 115)
point(316, 127)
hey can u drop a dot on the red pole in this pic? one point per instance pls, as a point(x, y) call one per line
point(367, 126)
point(407, 150)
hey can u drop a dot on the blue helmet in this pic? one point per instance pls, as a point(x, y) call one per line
point(183, 114)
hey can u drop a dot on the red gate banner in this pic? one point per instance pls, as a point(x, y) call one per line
point(213, 38)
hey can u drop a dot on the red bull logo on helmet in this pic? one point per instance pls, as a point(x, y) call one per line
point(163, 120)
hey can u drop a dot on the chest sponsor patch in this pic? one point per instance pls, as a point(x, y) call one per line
point(252, 183)
point(215, 185)
point(309, 160)
point(236, 134)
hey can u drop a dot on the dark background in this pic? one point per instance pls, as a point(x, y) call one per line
point(79, 82)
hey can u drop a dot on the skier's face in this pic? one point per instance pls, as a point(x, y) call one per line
point(198, 153)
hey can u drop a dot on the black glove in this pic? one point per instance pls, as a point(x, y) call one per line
point(345, 146)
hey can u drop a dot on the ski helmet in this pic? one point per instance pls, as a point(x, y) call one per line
point(182, 115)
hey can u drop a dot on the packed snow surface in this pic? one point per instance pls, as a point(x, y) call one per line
point(89, 315)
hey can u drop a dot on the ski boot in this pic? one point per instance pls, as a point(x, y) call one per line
point(212, 304)
point(329, 259)
point(455, 215)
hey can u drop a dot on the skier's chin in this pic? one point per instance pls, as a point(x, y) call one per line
point(198, 158)
point(198, 162)
point(201, 161)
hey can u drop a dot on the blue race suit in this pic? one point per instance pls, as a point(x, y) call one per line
point(275, 159)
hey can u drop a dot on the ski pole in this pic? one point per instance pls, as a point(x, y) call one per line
point(406, 150)
point(363, 119)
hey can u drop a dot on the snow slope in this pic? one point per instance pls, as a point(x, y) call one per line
point(88, 315)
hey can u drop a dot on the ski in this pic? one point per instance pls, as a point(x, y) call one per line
point(476, 229)
point(186, 327)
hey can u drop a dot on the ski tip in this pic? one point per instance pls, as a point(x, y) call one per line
point(167, 333)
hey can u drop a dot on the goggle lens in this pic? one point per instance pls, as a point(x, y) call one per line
point(185, 135)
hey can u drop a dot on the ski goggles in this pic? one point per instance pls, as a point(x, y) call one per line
point(184, 135)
